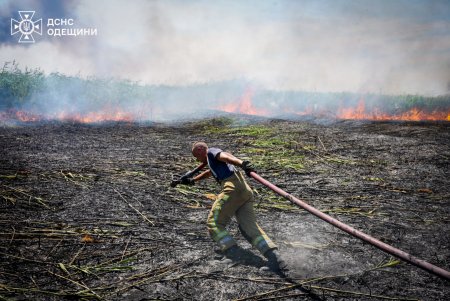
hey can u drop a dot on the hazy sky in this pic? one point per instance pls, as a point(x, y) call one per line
point(336, 45)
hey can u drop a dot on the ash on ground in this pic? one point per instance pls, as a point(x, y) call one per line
point(87, 211)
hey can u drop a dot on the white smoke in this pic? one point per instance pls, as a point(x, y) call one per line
point(282, 46)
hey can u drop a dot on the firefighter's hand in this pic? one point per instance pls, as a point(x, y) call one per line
point(187, 181)
point(174, 183)
point(248, 167)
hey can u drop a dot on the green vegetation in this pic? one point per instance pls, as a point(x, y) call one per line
point(32, 87)
point(246, 131)
point(268, 147)
point(29, 87)
point(16, 85)
point(273, 201)
point(214, 125)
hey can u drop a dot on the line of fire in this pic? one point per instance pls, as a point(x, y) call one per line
point(341, 110)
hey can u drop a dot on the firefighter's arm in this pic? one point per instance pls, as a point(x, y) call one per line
point(247, 166)
point(229, 158)
point(203, 175)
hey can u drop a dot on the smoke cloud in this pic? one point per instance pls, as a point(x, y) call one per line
point(389, 47)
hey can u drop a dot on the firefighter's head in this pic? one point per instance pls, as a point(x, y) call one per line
point(199, 150)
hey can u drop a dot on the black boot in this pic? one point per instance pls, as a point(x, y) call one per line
point(231, 254)
point(276, 263)
point(234, 253)
point(224, 260)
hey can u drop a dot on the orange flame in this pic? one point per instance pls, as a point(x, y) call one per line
point(95, 117)
point(27, 116)
point(360, 112)
point(91, 117)
point(244, 106)
point(414, 114)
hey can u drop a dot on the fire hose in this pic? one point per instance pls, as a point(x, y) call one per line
point(344, 227)
point(356, 233)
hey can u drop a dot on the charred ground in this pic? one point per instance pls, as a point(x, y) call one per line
point(87, 211)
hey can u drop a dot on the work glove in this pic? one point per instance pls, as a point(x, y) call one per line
point(247, 166)
point(187, 181)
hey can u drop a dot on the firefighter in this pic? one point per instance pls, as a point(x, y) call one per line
point(236, 198)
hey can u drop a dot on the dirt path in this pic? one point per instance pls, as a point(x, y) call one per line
point(87, 212)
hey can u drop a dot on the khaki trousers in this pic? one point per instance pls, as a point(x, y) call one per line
point(236, 198)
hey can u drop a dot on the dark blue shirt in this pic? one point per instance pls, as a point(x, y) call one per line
point(219, 169)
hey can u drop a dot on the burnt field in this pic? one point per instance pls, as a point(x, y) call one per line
point(87, 212)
